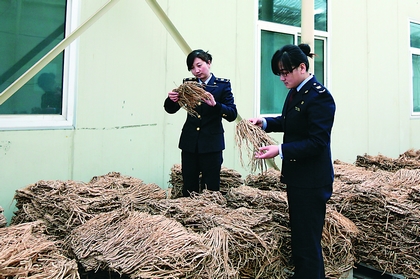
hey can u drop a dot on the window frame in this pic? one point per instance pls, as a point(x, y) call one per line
point(285, 29)
point(67, 118)
point(412, 51)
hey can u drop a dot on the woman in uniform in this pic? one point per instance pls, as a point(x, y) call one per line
point(307, 170)
point(202, 137)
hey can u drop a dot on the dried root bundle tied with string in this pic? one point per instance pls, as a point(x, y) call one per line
point(253, 137)
point(191, 93)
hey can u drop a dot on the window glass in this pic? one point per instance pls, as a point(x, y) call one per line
point(414, 35)
point(416, 83)
point(319, 61)
point(288, 12)
point(415, 57)
point(287, 15)
point(272, 91)
point(28, 31)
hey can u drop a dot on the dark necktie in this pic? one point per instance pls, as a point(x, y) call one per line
point(292, 94)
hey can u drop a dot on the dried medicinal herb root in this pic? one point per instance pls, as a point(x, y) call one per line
point(191, 93)
point(253, 137)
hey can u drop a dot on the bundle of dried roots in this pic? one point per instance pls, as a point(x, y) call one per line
point(26, 252)
point(229, 178)
point(383, 206)
point(191, 93)
point(408, 160)
point(253, 137)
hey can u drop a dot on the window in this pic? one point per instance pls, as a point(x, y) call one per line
point(415, 58)
point(29, 30)
point(279, 24)
point(288, 12)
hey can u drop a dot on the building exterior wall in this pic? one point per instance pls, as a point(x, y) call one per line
point(127, 62)
point(370, 78)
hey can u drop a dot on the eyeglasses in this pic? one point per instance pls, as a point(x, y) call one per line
point(284, 73)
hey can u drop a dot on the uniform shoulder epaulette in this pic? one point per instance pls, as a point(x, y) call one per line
point(190, 79)
point(319, 87)
point(222, 79)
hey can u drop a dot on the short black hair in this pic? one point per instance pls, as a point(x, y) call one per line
point(203, 55)
point(290, 57)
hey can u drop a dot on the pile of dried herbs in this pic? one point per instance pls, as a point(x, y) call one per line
point(385, 207)
point(120, 224)
point(408, 160)
point(229, 178)
point(27, 252)
point(65, 205)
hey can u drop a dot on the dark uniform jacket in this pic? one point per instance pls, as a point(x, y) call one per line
point(306, 122)
point(204, 133)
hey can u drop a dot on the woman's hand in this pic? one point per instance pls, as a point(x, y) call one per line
point(267, 152)
point(174, 96)
point(209, 100)
point(256, 121)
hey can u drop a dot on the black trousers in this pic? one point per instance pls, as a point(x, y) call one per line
point(208, 164)
point(307, 208)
